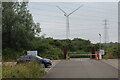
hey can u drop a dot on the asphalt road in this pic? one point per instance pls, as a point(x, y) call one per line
point(82, 68)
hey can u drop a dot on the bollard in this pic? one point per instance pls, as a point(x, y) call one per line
point(97, 56)
point(65, 53)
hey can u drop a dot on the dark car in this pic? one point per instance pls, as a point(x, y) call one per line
point(27, 58)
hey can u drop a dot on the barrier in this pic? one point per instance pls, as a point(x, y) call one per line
point(97, 56)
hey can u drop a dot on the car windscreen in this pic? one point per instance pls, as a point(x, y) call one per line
point(24, 57)
point(39, 57)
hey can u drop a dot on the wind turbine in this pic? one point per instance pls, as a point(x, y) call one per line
point(67, 19)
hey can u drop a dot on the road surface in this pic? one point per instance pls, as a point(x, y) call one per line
point(82, 68)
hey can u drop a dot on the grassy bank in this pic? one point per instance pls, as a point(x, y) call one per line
point(79, 52)
point(25, 70)
point(79, 56)
point(46, 51)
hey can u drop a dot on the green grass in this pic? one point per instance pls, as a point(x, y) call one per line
point(0, 72)
point(25, 70)
point(79, 52)
point(79, 56)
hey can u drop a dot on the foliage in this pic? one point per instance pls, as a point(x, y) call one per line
point(71, 45)
point(80, 56)
point(119, 50)
point(112, 52)
point(11, 54)
point(79, 52)
point(80, 44)
point(49, 51)
point(20, 33)
point(25, 70)
point(18, 26)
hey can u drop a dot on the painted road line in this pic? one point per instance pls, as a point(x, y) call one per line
point(52, 67)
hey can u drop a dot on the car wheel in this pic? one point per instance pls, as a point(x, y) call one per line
point(43, 65)
point(18, 62)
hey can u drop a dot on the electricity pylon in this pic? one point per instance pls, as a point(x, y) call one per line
point(105, 32)
point(67, 19)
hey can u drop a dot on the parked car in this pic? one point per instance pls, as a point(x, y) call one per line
point(27, 58)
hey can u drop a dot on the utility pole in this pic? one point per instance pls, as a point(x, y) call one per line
point(100, 41)
point(67, 20)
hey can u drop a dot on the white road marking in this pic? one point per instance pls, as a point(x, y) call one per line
point(51, 67)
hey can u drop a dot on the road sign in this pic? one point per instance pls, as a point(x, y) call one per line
point(102, 52)
point(33, 53)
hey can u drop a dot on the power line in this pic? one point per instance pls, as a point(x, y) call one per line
point(76, 14)
point(99, 10)
point(86, 6)
point(73, 24)
point(92, 17)
point(56, 22)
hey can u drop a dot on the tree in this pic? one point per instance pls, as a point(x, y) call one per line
point(18, 26)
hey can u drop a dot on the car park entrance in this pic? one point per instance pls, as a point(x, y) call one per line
point(84, 56)
point(91, 55)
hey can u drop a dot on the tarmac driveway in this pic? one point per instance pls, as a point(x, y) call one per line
point(82, 68)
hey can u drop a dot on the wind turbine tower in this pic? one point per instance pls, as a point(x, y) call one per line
point(67, 20)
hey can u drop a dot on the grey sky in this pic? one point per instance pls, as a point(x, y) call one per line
point(86, 23)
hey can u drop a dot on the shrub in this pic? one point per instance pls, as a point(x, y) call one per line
point(9, 54)
point(79, 52)
point(25, 70)
point(49, 51)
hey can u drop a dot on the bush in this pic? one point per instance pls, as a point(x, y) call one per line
point(79, 52)
point(109, 56)
point(112, 53)
point(49, 51)
point(79, 56)
point(9, 54)
point(25, 70)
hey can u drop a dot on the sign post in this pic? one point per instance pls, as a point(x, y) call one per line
point(65, 53)
point(101, 52)
point(93, 52)
point(33, 53)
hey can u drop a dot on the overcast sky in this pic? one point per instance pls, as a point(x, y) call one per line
point(86, 23)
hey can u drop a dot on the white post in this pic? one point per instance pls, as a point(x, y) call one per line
point(100, 56)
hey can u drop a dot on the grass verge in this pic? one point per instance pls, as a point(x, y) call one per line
point(24, 70)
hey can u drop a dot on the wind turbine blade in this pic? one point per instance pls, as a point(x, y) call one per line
point(61, 9)
point(75, 10)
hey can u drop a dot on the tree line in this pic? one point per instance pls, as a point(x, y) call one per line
point(20, 33)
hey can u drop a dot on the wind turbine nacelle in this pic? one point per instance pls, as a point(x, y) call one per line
point(65, 15)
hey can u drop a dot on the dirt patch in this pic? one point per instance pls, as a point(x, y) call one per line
point(9, 63)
